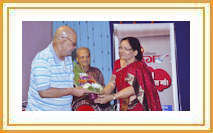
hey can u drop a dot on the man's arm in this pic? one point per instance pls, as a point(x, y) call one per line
point(60, 92)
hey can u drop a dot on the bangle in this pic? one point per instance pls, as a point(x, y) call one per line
point(113, 96)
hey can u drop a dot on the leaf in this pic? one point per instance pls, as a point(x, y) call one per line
point(77, 69)
point(91, 88)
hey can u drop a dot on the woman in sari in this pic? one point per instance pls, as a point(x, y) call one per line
point(131, 76)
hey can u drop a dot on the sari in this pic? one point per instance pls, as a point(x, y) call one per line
point(138, 76)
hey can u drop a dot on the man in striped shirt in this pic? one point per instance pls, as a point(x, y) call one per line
point(51, 81)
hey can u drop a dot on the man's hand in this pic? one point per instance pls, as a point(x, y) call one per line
point(79, 91)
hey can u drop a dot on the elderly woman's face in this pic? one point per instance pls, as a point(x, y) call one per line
point(83, 57)
point(125, 50)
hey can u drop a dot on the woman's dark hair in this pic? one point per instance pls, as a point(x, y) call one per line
point(135, 44)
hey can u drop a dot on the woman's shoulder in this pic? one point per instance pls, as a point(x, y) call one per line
point(140, 62)
point(95, 69)
point(137, 65)
point(116, 66)
point(117, 61)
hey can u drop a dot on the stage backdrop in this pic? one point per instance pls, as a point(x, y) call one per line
point(158, 46)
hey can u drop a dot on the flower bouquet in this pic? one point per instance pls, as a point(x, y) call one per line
point(87, 82)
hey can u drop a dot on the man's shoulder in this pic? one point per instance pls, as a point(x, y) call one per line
point(45, 54)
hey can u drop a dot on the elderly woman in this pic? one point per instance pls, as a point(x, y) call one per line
point(83, 58)
point(135, 87)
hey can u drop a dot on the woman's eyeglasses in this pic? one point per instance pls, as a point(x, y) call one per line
point(124, 48)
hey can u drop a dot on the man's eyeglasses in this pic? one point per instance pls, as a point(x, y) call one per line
point(74, 44)
point(82, 57)
point(125, 49)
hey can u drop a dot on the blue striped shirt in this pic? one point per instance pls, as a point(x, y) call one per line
point(48, 71)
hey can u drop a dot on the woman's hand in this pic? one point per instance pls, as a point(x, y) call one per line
point(101, 92)
point(102, 99)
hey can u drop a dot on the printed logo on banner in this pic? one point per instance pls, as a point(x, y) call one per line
point(166, 107)
point(154, 58)
point(161, 78)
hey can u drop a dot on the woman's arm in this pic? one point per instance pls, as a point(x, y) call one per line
point(108, 89)
point(126, 92)
point(110, 86)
